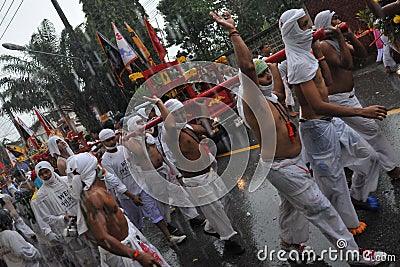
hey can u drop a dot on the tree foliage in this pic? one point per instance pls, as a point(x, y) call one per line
point(191, 27)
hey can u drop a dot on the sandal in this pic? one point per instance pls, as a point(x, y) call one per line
point(372, 204)
point(359, 230)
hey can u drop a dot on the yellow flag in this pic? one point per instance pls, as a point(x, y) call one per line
point(140, 45)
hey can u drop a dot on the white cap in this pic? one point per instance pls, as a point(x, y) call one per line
point(106, 134)
point(173, 105)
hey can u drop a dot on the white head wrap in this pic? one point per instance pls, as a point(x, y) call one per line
point(322, 21)
point(53, 148)
point(133, 126)
point(106, 134)
point(173, 104)
point(302, 66)
point(82, 168)
point(46, 165)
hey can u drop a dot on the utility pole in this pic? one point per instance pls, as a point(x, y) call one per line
point(79, 48)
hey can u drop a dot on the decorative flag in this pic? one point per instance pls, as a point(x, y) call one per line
point(48, 127)
point(26, 133)
point(16, 151)
point(2, 167)
point(128, 55)
point(113, 56)
point(155, 41)
point(12, 158)
point(140, 45)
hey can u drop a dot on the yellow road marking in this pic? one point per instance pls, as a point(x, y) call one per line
point(390, 112)
point(238, 151)
point(393, 111)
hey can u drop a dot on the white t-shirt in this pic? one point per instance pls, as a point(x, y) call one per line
point(116, 164)
point(16, 252)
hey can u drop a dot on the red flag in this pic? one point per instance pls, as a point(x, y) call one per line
point(114, 57)
point(2, 167)
point(155, 41)
point(45, 123)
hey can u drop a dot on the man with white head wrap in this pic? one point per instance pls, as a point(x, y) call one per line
point(157, 186)
point(301, 200)
point(122, 244)
point(57, 209)
point(200, 179)
point(126, 189)
point(338, 54)
point(59, 149)
point(318, 133)
point(126, 186)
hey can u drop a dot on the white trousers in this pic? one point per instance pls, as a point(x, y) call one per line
point(302, 201)
point(162, 185)
point(368, 129)
point(205, 191)
point(322, 147)
point(360, 157)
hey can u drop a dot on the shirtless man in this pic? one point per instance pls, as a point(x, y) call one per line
point(387, 10)
point(122, 244)
point(338, 55)
point(59, 149)
point(128, 190)
point(160, 168)
point(194, 163)
point(301, 200)
point(317, 130)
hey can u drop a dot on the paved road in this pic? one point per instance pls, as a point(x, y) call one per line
point(254, 215)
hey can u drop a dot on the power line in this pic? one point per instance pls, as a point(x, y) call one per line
point(5, 15)
point(15, 13)
point(3, 5)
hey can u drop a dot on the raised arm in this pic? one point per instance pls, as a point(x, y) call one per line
point(387, 10)
point(343, 59)
point(251, 94)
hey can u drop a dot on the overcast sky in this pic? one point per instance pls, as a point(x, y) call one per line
point(26, 21)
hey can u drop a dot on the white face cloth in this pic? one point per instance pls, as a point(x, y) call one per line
point(46, 165)
point(53, 148)
point(82, 168)
point(322, 21)
point(302, 65)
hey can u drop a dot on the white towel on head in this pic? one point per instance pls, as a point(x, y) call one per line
point(302, 65)
point(173, 104)
point(53, 148)
point(82, 168)
point(322, 21)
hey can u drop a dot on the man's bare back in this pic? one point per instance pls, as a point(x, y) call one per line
point(102, 211)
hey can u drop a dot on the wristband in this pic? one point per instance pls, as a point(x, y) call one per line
point(135, 254)
point(232, 33)
point(321, 58)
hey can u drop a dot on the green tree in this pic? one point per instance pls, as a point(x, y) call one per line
point(191, 27)
point(41, 81)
